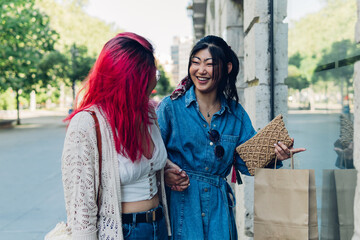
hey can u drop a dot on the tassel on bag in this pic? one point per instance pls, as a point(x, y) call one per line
point(235, 177)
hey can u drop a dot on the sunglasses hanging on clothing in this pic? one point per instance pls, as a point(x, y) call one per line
point(214, 136)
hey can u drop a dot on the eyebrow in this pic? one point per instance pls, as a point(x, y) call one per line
point(204, 60)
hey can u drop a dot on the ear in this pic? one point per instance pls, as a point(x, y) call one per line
point(229, 65)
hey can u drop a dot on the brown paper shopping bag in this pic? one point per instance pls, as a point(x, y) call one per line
point(285, 204)
point(337, 206)
point(329, 213)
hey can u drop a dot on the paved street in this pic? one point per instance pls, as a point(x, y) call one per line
point(30, 180)
point(32, 200)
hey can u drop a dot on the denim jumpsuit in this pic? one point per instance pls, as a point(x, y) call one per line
point(204, 210)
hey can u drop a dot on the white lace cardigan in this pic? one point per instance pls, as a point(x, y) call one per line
point(80, 175)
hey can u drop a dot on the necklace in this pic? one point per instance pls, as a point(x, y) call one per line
point(208, 111)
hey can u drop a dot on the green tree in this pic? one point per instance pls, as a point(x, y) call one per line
point(80, 65)
point(53, 69)
point(335, 66)
point(295, 79)
point(25, 36)
point(74, 25)
point(312, 39)
point(295, 59)
point(69, 67)
point(337, 57)
point(163, 85)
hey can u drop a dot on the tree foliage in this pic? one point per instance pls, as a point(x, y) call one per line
point(317, 31)
point(25, 36)
point(295, 79)
point(335, 58)
point(74, 25)
point(163, 85)
point(322, 38)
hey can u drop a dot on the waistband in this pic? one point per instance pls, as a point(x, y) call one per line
point(217, 181)
point(150, 216)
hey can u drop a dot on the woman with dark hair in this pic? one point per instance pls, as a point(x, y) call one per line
point(119, 197)
point(201, 124)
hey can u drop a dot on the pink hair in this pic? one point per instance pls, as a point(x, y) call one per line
point(117, 84)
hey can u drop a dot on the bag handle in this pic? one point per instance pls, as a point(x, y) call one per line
point(292, 160)
point(99, 146)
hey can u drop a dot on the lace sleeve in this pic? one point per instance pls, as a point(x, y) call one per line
point(80, 176)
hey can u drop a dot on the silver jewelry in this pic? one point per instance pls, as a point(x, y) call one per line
point(208, 113)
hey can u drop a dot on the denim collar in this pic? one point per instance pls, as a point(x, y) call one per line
point(190, 97)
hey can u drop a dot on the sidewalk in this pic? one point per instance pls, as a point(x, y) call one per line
point(32, 200)
point(12, 114)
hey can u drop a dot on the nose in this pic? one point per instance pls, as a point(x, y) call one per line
point(202, 69)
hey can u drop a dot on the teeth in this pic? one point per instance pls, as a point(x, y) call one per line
point(202, 79)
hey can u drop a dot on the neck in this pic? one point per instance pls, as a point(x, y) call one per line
point(207, 99)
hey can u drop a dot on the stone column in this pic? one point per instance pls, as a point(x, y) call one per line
point(356, 157)
point(257, 75)
point(234, 34)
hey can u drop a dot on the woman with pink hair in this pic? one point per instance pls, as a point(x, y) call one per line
point(123, 196)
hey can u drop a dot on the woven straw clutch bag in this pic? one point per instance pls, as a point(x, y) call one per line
point(259, 151)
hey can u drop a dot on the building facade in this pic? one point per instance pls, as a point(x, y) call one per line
point(180, 50)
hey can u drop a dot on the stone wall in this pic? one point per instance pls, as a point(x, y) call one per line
point(357, 148)
point(357, 133)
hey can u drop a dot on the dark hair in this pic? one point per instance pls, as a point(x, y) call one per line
point(117, 84)
point(221, 54)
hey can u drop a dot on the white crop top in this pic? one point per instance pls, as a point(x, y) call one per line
point(138, 179)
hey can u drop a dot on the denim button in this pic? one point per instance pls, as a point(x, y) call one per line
point(211, 143)
point(204, 125)
point(205, 190)
point(206, 168)
point(203, 214)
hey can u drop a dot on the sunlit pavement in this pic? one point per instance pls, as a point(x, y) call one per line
point(32, 200)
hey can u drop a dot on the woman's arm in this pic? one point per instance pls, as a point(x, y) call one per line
point(80, 176)
point(175, 178)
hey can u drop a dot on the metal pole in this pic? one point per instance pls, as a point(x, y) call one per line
point(271, 52)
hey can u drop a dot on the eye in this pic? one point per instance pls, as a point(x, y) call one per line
point(195, 62)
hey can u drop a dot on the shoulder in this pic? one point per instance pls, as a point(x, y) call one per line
point(237, 110)
point(81, 121)
point(165, 104)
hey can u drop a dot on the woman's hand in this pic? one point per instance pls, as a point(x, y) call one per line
point(283, 152)
point(175, 177)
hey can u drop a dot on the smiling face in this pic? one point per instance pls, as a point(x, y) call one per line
point(201, 72)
